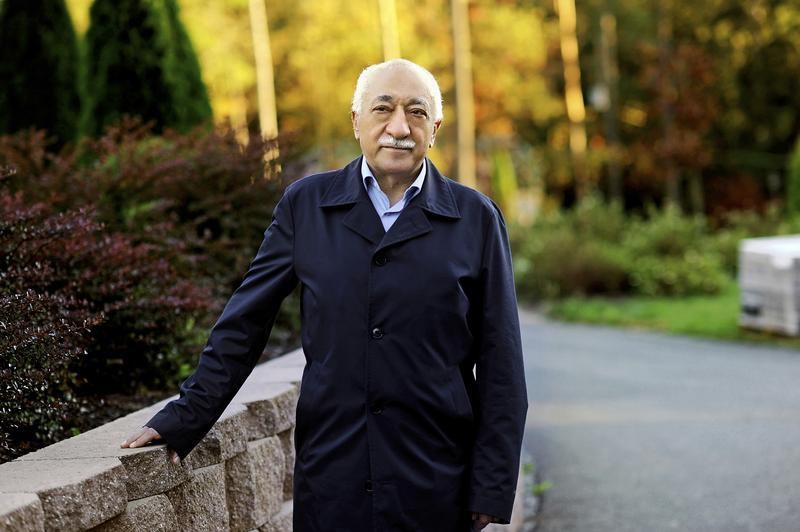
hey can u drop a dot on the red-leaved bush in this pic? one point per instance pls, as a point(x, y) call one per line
point(115, 257)
point(74, 301)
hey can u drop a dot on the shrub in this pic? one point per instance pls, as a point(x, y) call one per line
point(38, 68)
point(199, 202)
point(140, 310)
point(597, 249)
point(559, 264)
point(688, 274)
point(664, 233)
point(43, 334)
point(39, 342)
point(572, 252)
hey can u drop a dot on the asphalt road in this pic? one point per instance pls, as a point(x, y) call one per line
point(645, 432)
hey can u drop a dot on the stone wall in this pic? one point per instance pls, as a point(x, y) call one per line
point(239, 478)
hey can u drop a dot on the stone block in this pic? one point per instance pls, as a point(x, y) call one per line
point(152, 472)
point(21, 511)
point(287, 443)
point(74, 494)
point(143, 515)
point(293, 358)
point(254, 483)
point(280, 522)
point(149, 469)
point(228, 437)
point(271, 407)
point(199, 503)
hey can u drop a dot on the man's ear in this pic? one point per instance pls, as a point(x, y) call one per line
point(354, 120)
point(435, 129)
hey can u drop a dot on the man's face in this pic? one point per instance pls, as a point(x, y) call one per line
point(395, 127)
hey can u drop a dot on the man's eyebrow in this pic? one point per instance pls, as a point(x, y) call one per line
point(383, 98)
point(411, 101)
point(418, 101)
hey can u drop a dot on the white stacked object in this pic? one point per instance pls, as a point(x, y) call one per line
point(769, 281)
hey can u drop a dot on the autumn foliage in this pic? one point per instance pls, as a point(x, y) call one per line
point(115, 256)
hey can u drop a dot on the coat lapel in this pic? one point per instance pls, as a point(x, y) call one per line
point(347, 189)
point(435, 199)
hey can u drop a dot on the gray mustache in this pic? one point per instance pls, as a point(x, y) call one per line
point(391, 142)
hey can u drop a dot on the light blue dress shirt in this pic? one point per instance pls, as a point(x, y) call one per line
point(389, 213)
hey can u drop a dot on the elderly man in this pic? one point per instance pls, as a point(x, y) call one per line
point(413, 400)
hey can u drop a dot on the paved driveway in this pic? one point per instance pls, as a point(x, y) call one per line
point(646, 432)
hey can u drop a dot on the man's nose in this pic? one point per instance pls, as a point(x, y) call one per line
point(398, 125)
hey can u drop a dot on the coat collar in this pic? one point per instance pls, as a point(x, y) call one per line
point(435, 197)
point(347, 189)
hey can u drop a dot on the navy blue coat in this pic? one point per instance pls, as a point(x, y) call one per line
point(394, 431)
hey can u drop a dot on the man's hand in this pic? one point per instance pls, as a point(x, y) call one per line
point(145, 436)
point(479, 521)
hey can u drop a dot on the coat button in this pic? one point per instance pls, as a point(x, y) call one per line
point(377, 409)
point(380, 260)
point(368, 486)
point(377, 333)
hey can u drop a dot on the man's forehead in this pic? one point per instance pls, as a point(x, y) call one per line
point(398, 84)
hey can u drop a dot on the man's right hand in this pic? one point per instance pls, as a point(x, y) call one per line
point(144, 436)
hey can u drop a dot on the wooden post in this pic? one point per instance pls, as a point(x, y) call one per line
point(465, 98)
point(389, 33)
point(267, 112)
point(610, 74)
point(573, 93)
point(667, 92)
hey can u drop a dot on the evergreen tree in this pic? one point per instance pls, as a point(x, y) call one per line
point(127, 55)
point(38, 68)
point(191, 105)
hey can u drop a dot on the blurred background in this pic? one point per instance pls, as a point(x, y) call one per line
point(632, 144)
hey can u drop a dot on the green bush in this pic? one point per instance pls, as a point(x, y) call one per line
point(38, 68)
point(688, 274)
point(556, 263)
point(596, 249)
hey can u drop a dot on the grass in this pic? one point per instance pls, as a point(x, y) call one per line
point(714, 316)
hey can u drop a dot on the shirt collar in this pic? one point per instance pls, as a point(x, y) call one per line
point(369, 179)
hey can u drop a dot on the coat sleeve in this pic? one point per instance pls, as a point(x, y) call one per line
point(500, 377)
point(236, 341)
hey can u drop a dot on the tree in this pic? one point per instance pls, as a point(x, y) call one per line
point(38, 68)
point(191, 103)
point(126, 58)
point(265, 73)
point(465, 94)
point(141, 63)
point(573, 92)
point(389, 35)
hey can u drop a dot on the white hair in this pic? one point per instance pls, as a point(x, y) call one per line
point(427, 78)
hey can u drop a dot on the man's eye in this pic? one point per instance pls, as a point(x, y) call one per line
point(419, 112)
point(381, 109)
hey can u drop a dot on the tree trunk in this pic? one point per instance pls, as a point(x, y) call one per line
point(576, 111)
point(267, 112)
point(610, 75)
point(389, 33)
point(667, 91)
point(465, 102)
